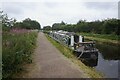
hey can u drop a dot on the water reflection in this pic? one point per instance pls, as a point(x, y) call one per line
point(107, 62)
point(109, 52)
point(90, 63)
point(108, 59)
point(108, 67)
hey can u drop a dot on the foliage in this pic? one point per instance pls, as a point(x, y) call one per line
point(47, 28)
point(108, 26)
point(17, 43)
point(16, 50)
point(28, 24)
point(58, 26)
point(7, 23)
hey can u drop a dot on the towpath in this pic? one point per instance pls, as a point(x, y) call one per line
point(48, 62)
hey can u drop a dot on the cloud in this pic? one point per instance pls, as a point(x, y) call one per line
point(11, 8)
point(102, 5)
point(49, 12)
point(103, 10)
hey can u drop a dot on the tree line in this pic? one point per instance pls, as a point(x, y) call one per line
point(108, 26)
point(10, 23)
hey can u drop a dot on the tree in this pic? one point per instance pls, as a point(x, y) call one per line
point(28, 24)
point(58, 26)
point(108, 26)
point(62, 23)
point(7, 23)
point(47, 28)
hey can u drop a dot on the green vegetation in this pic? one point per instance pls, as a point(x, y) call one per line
point(47, 28)
point(27, 24)
point(10, 23)
point(102, 36)
point(18, 43)
point(91, 72)
point(17, 49)
point(108, 26)
point(105, 38)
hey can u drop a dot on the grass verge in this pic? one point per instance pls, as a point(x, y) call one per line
point(114, 39)
point(16, 50)
point(91, 72)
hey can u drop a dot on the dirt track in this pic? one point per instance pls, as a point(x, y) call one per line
point(48, 62)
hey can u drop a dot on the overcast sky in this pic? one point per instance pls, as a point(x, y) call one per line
point(54, 11)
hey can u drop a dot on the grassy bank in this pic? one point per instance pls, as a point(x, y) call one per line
point(16, 51)
point(90, 72)
point(114, 39)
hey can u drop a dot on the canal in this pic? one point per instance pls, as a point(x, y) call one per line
point(108, 59)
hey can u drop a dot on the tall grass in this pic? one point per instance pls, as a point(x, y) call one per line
point(90, 72)
point(16, 50)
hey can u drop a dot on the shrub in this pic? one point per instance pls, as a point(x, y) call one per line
point(16, 50)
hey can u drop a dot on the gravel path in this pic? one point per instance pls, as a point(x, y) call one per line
point(48, 62)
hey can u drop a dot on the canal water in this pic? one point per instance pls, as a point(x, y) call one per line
point(108, 59)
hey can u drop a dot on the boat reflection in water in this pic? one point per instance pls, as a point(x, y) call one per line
point(88, 59)
point(91, 62)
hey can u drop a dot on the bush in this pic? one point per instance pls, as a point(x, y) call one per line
point(17, 49)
